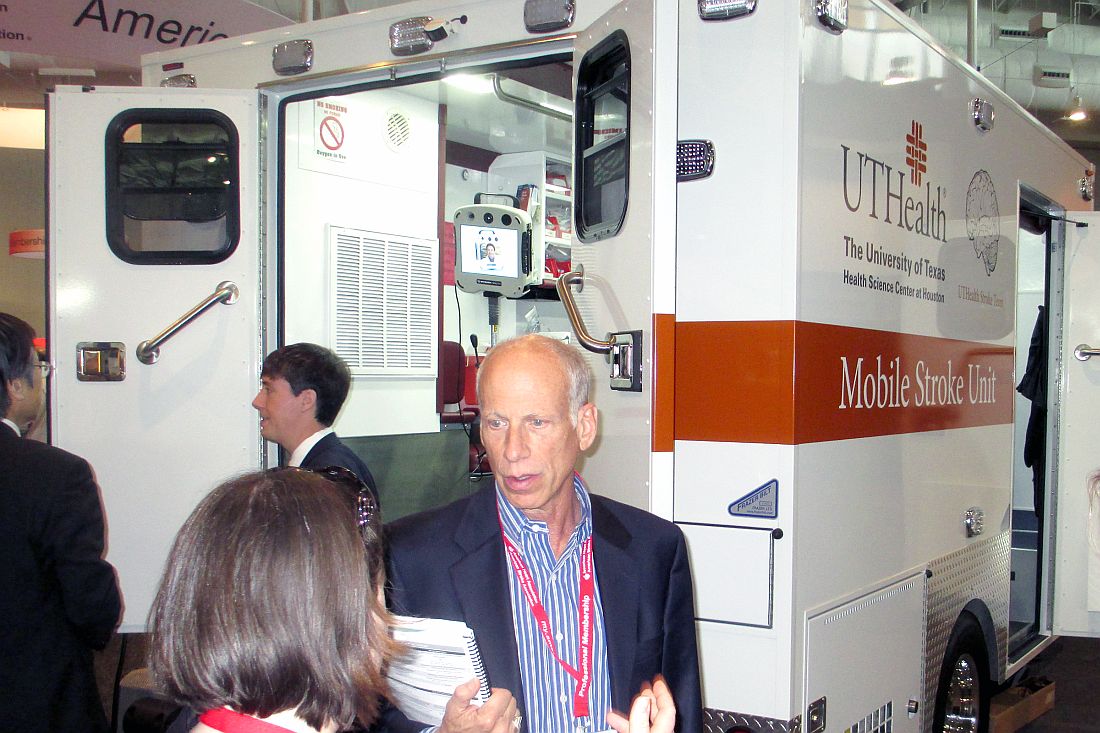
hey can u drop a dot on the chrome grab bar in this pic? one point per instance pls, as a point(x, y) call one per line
point(149, 351)
point(1084, 351)
point(504, 96)
point(576, 277)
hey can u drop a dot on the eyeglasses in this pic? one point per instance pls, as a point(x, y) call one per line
point(365, 505)
point(45, 368)
point(366, 508)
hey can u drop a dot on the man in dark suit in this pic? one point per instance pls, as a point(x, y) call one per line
point(60, 598)
point(513, 560)
point(303, 387)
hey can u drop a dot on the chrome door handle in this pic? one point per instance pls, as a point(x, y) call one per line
point(624, 349)
point(1083, 352)
point(576, 277)
point(149, 351)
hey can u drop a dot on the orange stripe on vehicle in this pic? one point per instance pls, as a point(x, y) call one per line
point(792, 382)
point(734, 381)
point(664, 383)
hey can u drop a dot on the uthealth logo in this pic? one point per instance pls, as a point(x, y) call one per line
point(888, 198)
point(916, 153)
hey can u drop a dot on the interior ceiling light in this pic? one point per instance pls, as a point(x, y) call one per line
point(470, 83)
point(1077, 112)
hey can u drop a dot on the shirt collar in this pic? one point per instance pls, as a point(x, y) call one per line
point(515, 522)
point(306, 446)
point(13, 426)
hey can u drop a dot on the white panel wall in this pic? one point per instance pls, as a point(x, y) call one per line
point(376, 187)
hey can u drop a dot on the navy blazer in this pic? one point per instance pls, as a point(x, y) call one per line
point(331, 451)
point(60, 598)
point(450, 563)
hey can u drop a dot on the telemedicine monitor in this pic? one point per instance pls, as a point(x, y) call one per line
point(494, 251)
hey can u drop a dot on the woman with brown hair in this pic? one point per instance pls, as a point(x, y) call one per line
point(269, 615)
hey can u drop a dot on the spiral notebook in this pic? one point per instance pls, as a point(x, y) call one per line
point(439, 656)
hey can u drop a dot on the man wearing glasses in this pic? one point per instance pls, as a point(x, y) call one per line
point(60, 598)
point(302, 388)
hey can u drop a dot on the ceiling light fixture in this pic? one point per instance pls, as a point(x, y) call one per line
point(474, 83)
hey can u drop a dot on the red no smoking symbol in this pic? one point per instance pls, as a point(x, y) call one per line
point(331, 133)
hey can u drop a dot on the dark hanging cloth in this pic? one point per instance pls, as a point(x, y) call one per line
point(1033, 386)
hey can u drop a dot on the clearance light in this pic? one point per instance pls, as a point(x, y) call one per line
point(983, 114)
point(1086, 185)
point(725, 9)
point(542, 16)
point(833, 14)
point(292, 57)
point(407, 37)
point(179, 81)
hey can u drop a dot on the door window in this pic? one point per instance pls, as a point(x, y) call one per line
point(172, 186)
point(603, 138)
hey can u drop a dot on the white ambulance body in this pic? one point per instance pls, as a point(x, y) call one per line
point(825, 317)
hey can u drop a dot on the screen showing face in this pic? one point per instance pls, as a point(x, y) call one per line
point(489, 250)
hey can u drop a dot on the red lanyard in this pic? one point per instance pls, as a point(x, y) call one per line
point(586, 604)
point(230, 721)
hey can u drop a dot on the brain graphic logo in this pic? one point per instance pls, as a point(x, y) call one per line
point(983, 223)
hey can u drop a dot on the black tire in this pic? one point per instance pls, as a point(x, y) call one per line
point(965, 687)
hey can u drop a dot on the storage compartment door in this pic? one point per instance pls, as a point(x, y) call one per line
point(857, 652)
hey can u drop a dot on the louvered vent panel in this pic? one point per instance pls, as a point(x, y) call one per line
point(384, 309)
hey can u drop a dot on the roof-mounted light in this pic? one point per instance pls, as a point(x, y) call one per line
point(725, 9)
point(543, 16)
point(407, 37)
point(292, 57)
point(833, 14)
point(179, 80)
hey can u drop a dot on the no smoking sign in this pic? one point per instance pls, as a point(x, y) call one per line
point(331, 133)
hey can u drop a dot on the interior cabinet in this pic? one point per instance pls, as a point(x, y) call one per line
point(547, 179)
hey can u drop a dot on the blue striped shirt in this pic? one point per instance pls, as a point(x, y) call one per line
point(547, 688)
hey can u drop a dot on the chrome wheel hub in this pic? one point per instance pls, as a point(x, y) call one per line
point(963, 697)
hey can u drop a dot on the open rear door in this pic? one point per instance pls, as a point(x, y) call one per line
point(1076, 512)
point(154, 239)
point(624, 227)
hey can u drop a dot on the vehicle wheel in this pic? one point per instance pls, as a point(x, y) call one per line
point(965, 688)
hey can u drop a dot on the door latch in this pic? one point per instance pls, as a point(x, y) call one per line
point(100, 361)
point(626, 361)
